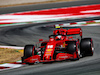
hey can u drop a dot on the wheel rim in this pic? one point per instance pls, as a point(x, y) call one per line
point(92, 47)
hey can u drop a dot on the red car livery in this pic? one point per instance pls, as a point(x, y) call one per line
point(62, 45)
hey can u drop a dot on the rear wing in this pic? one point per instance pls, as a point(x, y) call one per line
point(68, 31)
point(74, 31)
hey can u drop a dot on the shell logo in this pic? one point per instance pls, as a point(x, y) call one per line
point(49, 50)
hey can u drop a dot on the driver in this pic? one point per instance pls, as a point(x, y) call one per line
point(58, 37)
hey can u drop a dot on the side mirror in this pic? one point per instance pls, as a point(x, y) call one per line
point(40, 40)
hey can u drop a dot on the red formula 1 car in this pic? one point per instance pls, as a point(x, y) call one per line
point(62, 45)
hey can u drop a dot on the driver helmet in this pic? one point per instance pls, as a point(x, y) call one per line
point(58, 37)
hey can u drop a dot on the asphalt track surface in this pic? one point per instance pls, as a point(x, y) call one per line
point(28, 34)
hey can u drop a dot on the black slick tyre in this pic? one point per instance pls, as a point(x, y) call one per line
point(72, 48)
point(29, 50)
point(86, 47)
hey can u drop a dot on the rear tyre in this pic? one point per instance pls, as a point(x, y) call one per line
point(86, 47)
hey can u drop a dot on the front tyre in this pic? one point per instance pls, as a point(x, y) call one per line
point(72, 48)
point(29, 50)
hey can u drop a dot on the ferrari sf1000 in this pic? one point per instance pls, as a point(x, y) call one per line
point(63, 44)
